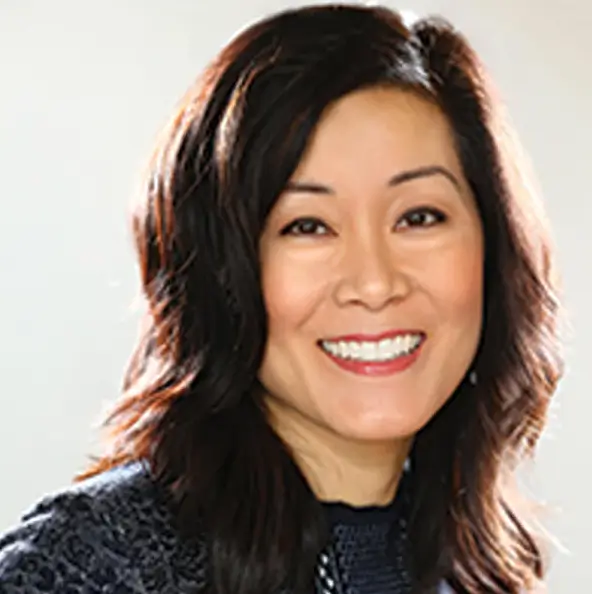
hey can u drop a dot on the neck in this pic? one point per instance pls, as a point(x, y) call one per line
point(353, 471)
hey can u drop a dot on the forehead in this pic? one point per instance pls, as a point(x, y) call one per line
point(379, 131)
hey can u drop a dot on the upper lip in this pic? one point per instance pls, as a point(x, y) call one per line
point(373, 337)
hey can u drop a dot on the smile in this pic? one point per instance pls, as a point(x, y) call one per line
point(382, 355)
point(386, 349)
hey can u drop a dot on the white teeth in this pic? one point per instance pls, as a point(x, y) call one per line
point(406, 342)
point(369, 351)
point(355, 349)
point(384, 350)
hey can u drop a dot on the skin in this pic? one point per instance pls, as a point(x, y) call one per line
point(376, 231)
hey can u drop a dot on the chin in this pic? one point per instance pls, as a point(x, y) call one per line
point(383, 427)
point(379, 430)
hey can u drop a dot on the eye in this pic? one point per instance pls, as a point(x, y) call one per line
point(305, 226)
point(421, 217)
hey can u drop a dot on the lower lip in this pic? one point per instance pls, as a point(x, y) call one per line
point(377, 368)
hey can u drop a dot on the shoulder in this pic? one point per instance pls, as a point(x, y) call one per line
point(112, 531)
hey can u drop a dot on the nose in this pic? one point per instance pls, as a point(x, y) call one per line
point(371, 274)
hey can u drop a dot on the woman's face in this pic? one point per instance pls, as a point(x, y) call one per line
point(372, 264)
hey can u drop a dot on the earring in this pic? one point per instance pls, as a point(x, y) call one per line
point(473, 378)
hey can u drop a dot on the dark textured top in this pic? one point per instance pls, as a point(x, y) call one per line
point(113, 534)
point(370, 546)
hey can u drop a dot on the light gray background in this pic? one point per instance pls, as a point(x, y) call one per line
point(84, 88)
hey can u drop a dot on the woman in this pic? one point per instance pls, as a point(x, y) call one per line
point(349, 341)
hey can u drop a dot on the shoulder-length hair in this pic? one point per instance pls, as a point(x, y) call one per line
point(192, 402)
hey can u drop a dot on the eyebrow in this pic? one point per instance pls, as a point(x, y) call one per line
point(397, 179)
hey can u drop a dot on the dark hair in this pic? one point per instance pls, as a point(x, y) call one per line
point(192, 404)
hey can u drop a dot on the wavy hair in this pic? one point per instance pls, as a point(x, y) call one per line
point(191, 402)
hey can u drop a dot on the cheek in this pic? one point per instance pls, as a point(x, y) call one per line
point(292, 292)
point(292, 297)
point(454, 279)
point(463, 285)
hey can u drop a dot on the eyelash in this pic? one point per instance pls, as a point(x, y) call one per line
point(437, 215)
point(291, 228)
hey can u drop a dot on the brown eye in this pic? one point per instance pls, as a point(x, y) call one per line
point(305, 226)
point(421, 217)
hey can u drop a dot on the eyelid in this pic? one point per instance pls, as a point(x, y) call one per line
point(437, 213)
point(288, 229)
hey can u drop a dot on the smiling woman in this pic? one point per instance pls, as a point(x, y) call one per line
point(372, 266)
point(349, 341)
